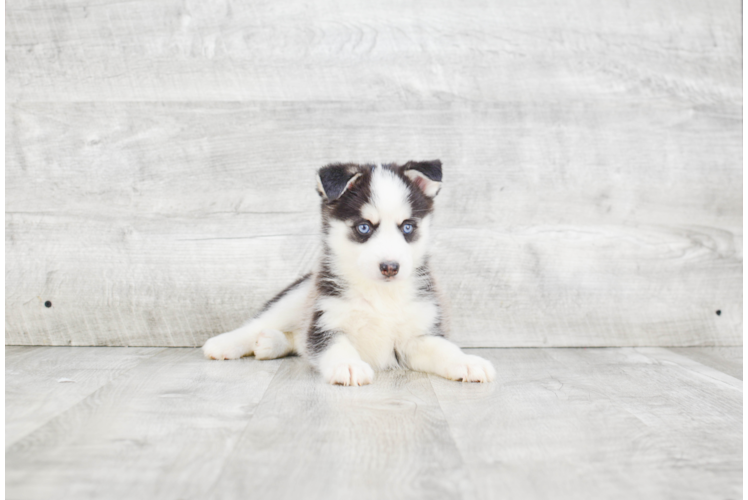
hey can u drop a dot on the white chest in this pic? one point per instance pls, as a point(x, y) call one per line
point(377, 323)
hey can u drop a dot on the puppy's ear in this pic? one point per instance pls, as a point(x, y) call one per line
point(427, 175)
point(334, 180)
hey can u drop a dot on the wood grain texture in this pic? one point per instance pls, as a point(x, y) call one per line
point(745, 434)
point(725, 359)
point(632, 423)
point(163, 430)
point(484, 52)
point(160, 157)
point(557, 424)
point(525, 293)
point(165, 224)
point(508, 164)
point(43, 382)
point(308, 438)
point(743, 231)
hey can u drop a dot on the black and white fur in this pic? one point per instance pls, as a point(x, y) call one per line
point(372, 303)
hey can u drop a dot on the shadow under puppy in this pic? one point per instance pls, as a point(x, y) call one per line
point(372, 302)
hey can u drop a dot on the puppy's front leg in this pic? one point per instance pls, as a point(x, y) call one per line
point(433, 354)
point(340, 363)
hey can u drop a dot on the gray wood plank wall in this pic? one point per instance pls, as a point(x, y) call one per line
point(160, 160)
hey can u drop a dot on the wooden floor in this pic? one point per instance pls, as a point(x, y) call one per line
point(105, 422)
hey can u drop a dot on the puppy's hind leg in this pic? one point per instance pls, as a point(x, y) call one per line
point(233, 344)
point(283, 313)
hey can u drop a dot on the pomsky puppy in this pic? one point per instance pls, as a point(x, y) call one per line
point(372, 302)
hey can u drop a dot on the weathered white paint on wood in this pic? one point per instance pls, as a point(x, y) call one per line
point(539, 50)
point(505, 164)
point(43, 382)
point(161, 281)
point(166, 224)
point(558, 423)
point(612, 423)
point(745, 433)
point(159, 162)
point(725, 359)
point(743, 231)
point(162, 431)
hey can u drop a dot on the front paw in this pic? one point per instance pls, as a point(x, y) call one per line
point(471, 369)
point(353, 372)
point(220, 347)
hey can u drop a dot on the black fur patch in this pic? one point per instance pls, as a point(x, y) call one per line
point(335, 177)
point(318, 339)
point(420, 204)
point(437, 330)
point(431, 169)
point(427, 289)
point(328, 283)
point(425, 282)
point(283, 293)
point(348, 206)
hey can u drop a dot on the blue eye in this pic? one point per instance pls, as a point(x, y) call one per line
point(408, 228)
point(364, 228)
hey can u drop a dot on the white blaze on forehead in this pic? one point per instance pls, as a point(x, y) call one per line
point(389, 196)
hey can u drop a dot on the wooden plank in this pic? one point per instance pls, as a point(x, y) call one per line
point(745, 433)
point(170, 284)
point(743, 229)
point(161, 431)
point(743, 294)
point(593, 286)
point(558, 423)
point(608, 423)
point(438, 50)
point(16, 354)
point(506, 164)
point(137, 285)
point(725, 359)
point(163, 224)
point(310, 439)
point(694, 368)
point(43, 382)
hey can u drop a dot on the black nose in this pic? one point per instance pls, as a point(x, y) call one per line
point(389, 269)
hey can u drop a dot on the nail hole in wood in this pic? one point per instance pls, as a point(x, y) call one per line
point(47, 304)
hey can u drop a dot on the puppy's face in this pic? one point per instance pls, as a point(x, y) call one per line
point(377, 218)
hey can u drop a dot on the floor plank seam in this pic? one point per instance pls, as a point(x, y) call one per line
point(557, 423)
point(84, 398)
point(446, 421)
point(230, 455)
point(704, 370)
